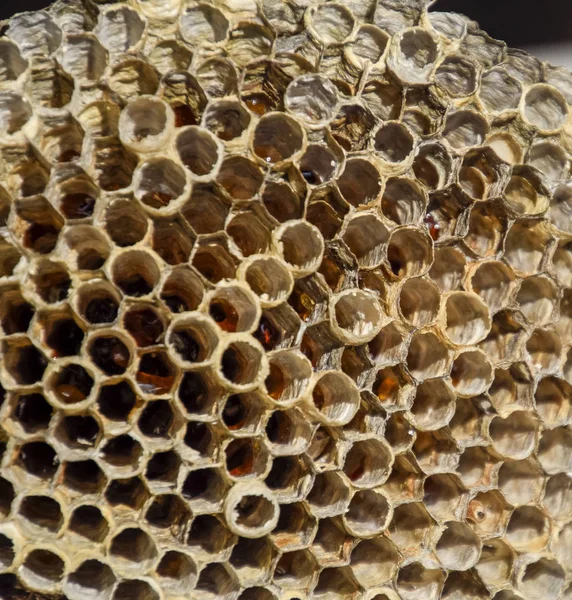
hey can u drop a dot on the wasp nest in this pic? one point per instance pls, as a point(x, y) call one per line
point(285, 305)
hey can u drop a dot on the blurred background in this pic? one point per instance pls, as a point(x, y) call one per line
point(543, 27)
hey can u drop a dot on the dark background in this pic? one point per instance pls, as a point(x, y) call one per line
point(520, 23)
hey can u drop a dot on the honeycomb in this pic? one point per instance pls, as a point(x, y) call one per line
point(285, 305)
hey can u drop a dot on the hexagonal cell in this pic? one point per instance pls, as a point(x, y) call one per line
point(252, 561)
point(466, 318)
point(135, 272)
point(213, 261)
point(515, 436)
point(155, 374)
point(427, 357)
point(245, 458)
point(198, 393)
point(558, 496)
point(528, 529)
point(444, 497)
point(335, 398)
point(125, 222)
point(15, 312)
point(496, 563)
point(122, 452)
point(130, 493)
point(91, 577)
point(544, 348)
point(555, 450)
point(477, 466)
point(97, 302)
point(521, 481)
point(32, 412)
point(207, 208)
point(83, 477)
point(38, 459)
point(295, 569)
point(204, 488)
point(168, 511)
point(201, 441)
point(116, 401)
point(411, 527)
point(488, 513)
point(366, 236)
point(458, 547)
point(329, 495)
point(416, 581)
point(133, 547)
point(216, 581)
point(160, 184)
point(177, 571)
point(434, 405)
point(144, 324)
point(40, 514)
point(78, 432)
point(23, 361)
point(42, 569)
point(71, 383)
point(163, 468)
point(542, 578)
point(135, 588)
point(145, 123)
point(368, 463)
point(472, 373)
point(88, 522)
point(368, 514)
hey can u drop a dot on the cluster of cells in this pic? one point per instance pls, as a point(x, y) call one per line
point(285, 305)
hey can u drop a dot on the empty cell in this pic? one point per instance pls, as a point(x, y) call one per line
point(207, 208)
point(521, 481)
point(413, 56)
point(160, 183)
point(177, 571)
point(295, 569)
point(215, 581)
point(172, 240)
point(419, 302)
point(357, 316)
point(555, 450)
point(245, 458)
point(15, 111)
point(528, 529)
point(125, 222)
point(145, 124)
point(288, 378)
point(544, 107)
point(198, 150)
point(251, 510)
point(403, 200)
point(205, 23)
point(465, 128)
point(233, 308)
point(71, 383)
point(360, 182)
point(84, 57)
point(88, 522)
point(541, 579)
point(91, 578)
point(135, 588)
point(515, 436)
point(168, 511)
point(289, 478)
point(458, 547)
point(368, 463)
point(394, 142)
point(15, 313)
point(496, 563)
point(155, 373)
point(83, 477)
point(133, 545)
point(282, 201)
point(525, 247)
point(115, 401)
point(197, 393)
point(288, 432)
point(319, 164)
point(135, 272)
point(241, 364)
point(227, 119)
point(32, 412)
point(213, 260)
point(434, 405)
point(110, 354)
point(200, 438)
point(312, 98)
point(269, 278)
point(457, 76)
point(409, 252)
point(336, 582)
point(163, 467)
point(194, 339)
point(499, 91)
point(277, 137)
point(78, 432)
point(552, 399)
point(544, 348)
point(367, 236)
point(205, 487)
point(427, 357)
point(120, 29)
point(494, 282)
point(467, 318)
point(329, 495)
point(132, 78)
point(41, 514)
point(560, 208)
point(209, 537)
point(525, 193)
point(181, 291)
point(40, 224)
point(411, 527)
point(472, 373)
point(334, 398)
point(42, 569)
point(444, 496)
point(122, 452)
point(12, 65)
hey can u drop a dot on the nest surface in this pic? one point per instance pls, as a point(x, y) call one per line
point(285, 305)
